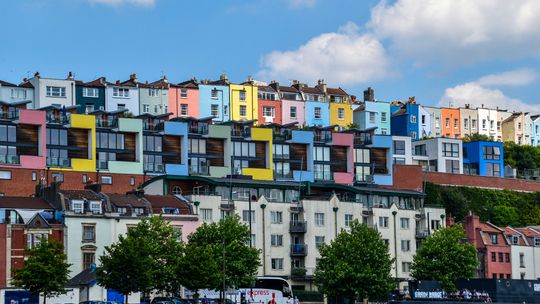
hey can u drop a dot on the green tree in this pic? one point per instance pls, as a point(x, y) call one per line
point(505, 215)
point(356, 264)
point(143, 260)
point(45, 271)
point(220, 248)
point(444, 257)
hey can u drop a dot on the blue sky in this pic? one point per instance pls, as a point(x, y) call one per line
point(443, 52)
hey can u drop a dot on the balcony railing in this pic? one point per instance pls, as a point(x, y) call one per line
point(154, 127)
point(107, 123)
point(363, 139)
point(298, 250)
point(58, 119)
point(58, 162)
point(10, 159)
point(227, 205)
point(298, 272)
point(199, 170)
point(422, 233)
point(9, 115)
point(287, 175)
point(323, 175)
point(241, 132)
point(298, 226)
point(282, 136)
point(200, 129)
point(324, 137)
point(154, 168)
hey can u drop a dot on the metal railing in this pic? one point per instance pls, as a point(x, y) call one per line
point(324, 137)
point(298, 226)
point(9, 115)
point(107, 123)
point(323, 175)
point(58, 162)
point(199, 129)
point(58, 119)
point(363, 139)
point(298, 249)
point(241, 132)
point(10, 159)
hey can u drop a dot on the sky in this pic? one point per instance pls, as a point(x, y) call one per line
point(443, 52)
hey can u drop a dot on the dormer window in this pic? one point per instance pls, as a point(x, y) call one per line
point(138, 211)
point(515, 239)
point(95, 207)
point(493, 238)
point(170, 211)
point(77, 206)
point(121, 210)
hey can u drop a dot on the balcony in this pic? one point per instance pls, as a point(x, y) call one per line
point(200, 129)
point(363, 139)
point(58, 162)
point(296, 207)
point(298, 250)
point(109, 124)
point(58, 119)
point(241, 132)
point(282, 175)
point(323, 175)
point(10, 159)
point(282, 136)
point(154, 168)
point(154, 127)
point(227, 205)
point(199, 169)
point(298, 273)
point(9, 115)
point(324, 137)
point(297, 226)
point(422, 233)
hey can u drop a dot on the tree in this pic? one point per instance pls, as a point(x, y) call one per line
point(444, 257)
point(219, 252)
point(143, 260)
point(356, 264)
point(475, 137)
point(45, 271)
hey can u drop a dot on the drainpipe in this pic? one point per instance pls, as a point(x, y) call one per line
point(263, 206)
point(394, 213)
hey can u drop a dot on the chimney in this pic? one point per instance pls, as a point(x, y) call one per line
point(353, 98)
point(295, 82)
point(25, 79)
point(223, 77)
point(118, 82)
point(164, 78)
point(472, 222)
point(412, 100)
point(321, 85)
point(70, 76)
point(96, 187)
point(133, 77)
point(482, 106)
point(250, 79)
point(205, 81)
point(467, 106)
point(36, 74)
point(274, 85)
point(369, 94)
point(103, 80)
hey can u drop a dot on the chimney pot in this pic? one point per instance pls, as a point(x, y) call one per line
point(223, 77)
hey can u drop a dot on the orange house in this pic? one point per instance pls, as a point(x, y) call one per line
point(450, 123)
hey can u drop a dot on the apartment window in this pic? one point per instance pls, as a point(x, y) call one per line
point(405, 267)
point(452, 166)
point(213, 94)
point(18, 93)
point(492, 153)
point(420, 150)
point(95, 207)
point(293, 112)
point(277, 264)
point(106, 180)
point(521, 260)
point(493, 238)
point(89, 233)
point(248, 216)
point(492, 123)
point(494, 257)
point(348, 220)
point(183, 109)
point(515, 239)
point(405, 245)
point(56, 91)
point(269, 112)
point(507, 257)
point(197, 146)
point(317, 112)
point(466, 123)
point(214, 110)
point(413, 135)
point(341, 114)
point(435, 224)
point(450, 150)
point(399, 147)
point(146, 108)
point(121, 92)
point(319, 219)
point(152, 92)
point(5, 175)
point(319, 241)
point(90, 92)
point(88, 259)
point(276, 240)
point(372, 116)
point(493, 169)
point(383, 221)
point(206, 214)
point(383, 116)
point(500, 255)
point(473, 123)
point(183, 93)
point(447, 122)
point(456, 123)
point(404, 223)
point(243, 111)
point(276, 217)
point(413, 118)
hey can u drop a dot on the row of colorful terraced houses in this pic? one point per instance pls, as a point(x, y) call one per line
point(273, 103)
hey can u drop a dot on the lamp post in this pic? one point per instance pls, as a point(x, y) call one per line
point(394, 213)
point(263, 206)
point(223, 270)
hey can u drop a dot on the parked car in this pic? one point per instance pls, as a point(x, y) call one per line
point(171, 300)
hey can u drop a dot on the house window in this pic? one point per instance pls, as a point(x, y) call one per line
point(89, 233)
point(132, 181)
point(155, 108)
point(242, 95)
point(452, 166)
point(437, 122)
point(493, 238)
point(383, 116)
point(507, 257)
point(90, 92)
point(492, 153)
point(399, 147)
point(404, 223)
point(435, 224)
point(515, 239)
point(121, 106)
point(77, 206)
point(214, 110)
point(413, 118)
point(277, 264)
point(242, 110)
point(473, 123)
point(405, 245)
point(18, 93)
point(213, 94)
point(405, 267)
point(493, 169)
point(183, 93)
point(519, 126)
point(248, 216)
point(500, 255)
point(521, 260)
point(413, 135)
point(153, 92)
point(183, 109)
point(88, 259)
point(341, 114)
point(319, 241)
point(121, 92)
point(450, 150)
point(206, 214)
point(456, 123)
point(494, 257)
point(276, 217)
point(383, 221)
point(348, 220)
point(106, 180)
point(276, 240)
point(319, 219)
point(34, 175)
point(56, 91)
point(466, 123)
point(269, 111)
point(293, 112)
point(537, 241)
point(95, 207)
point(146, 108)
point(317, 112)
point(372, 117)
point(423, 119)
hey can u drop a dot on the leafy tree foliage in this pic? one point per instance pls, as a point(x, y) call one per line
point(521, 157)
point(475, 137)
point(45, 271)
point(213, 245)
point(356, 264)
point(444, 257)
point(143, 260)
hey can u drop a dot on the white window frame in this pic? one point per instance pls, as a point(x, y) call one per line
point(242, 109)
point(57, 92)
point(243, 95)
point(319, 219)
point(349, 218)
point(291, 112)
point(183, 93)
point(276, 263)
point(276, 240)
point(214, 94)
point(341, 113)
point(120, 92)
point(106, 179)
point(206, 214)
point(269, 112)
point(90, 92)
point(77, 206)
point(276, 217)
point(146, 108)
point(95, 207)
point(317, 112)
point(153, 92)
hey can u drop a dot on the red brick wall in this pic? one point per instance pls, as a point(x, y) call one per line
point(21, 183)
point(408, 177)
point(3, 246)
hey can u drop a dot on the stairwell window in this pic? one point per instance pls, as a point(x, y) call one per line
point(293, 112)
point(317, 112)
point(243, 111)
point(276, 240)
point(276, 217)
point(184, 109)
point(242, 95)
point(341, 114)
point(277, 264)
point(214, 110)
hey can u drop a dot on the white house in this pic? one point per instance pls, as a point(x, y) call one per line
point(439, 154)
point(402, 150)
point(123, 95)
point(51, 91)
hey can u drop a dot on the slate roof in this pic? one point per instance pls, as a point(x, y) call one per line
point(189, 84)
point(22, 202)
point(167, 201)
point(7, 84)
point(126, 200)
point(81, 194)
point(84, 278)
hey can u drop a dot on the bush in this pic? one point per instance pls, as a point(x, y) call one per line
point(309, 296)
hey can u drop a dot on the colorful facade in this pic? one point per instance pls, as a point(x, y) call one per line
point(484, 158)
point(515, 127)
point(316, 107)
point(292, 104)
point(340, 107)
point(154, 97)
point(50, 91)
point(244, 101)
point(123, 95)
point(184, 99)
point(11, 94)
point(270, 105)
point(405, 120)
point(468, 121)
point(214, 99)
point(450, 123)
point(535, 130)
point(90, 96)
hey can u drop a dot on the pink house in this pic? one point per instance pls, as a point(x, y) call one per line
point(177, 212)
point(342, 152)
point(292, 104)
point(184, 99)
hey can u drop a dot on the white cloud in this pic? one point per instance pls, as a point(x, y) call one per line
point(459, 31)
point(142, 3)
point(302, 3)
point(477, 93)
point(345, 57)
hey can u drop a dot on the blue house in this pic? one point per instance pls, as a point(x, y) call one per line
point(405, 121)
point(90, 96)
point(373, 114)
point(214, 99)
point(317, 108)
point(484, 158)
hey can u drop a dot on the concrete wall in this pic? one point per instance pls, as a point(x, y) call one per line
point(40, 89)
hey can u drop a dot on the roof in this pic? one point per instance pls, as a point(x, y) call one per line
point(144, 115)
point(334, 91)
point(238, 122)
point(288, 89)
point(192, 119)
point(309, 90)
point(80, 194)
point(7, 84)
point(100, 82)
point(21, 202)
point(108, 112)
point(26, 84)
point(528, 232)
point(220, 82)
point(167, 201)
point(85, 277)
point(126, 200)
point(15, 103)
point(266, 89)
point(189, 84)
point(58, 107)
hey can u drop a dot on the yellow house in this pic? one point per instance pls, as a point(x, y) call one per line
point(341, 113)
point(243, 101)
point(267, 173)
